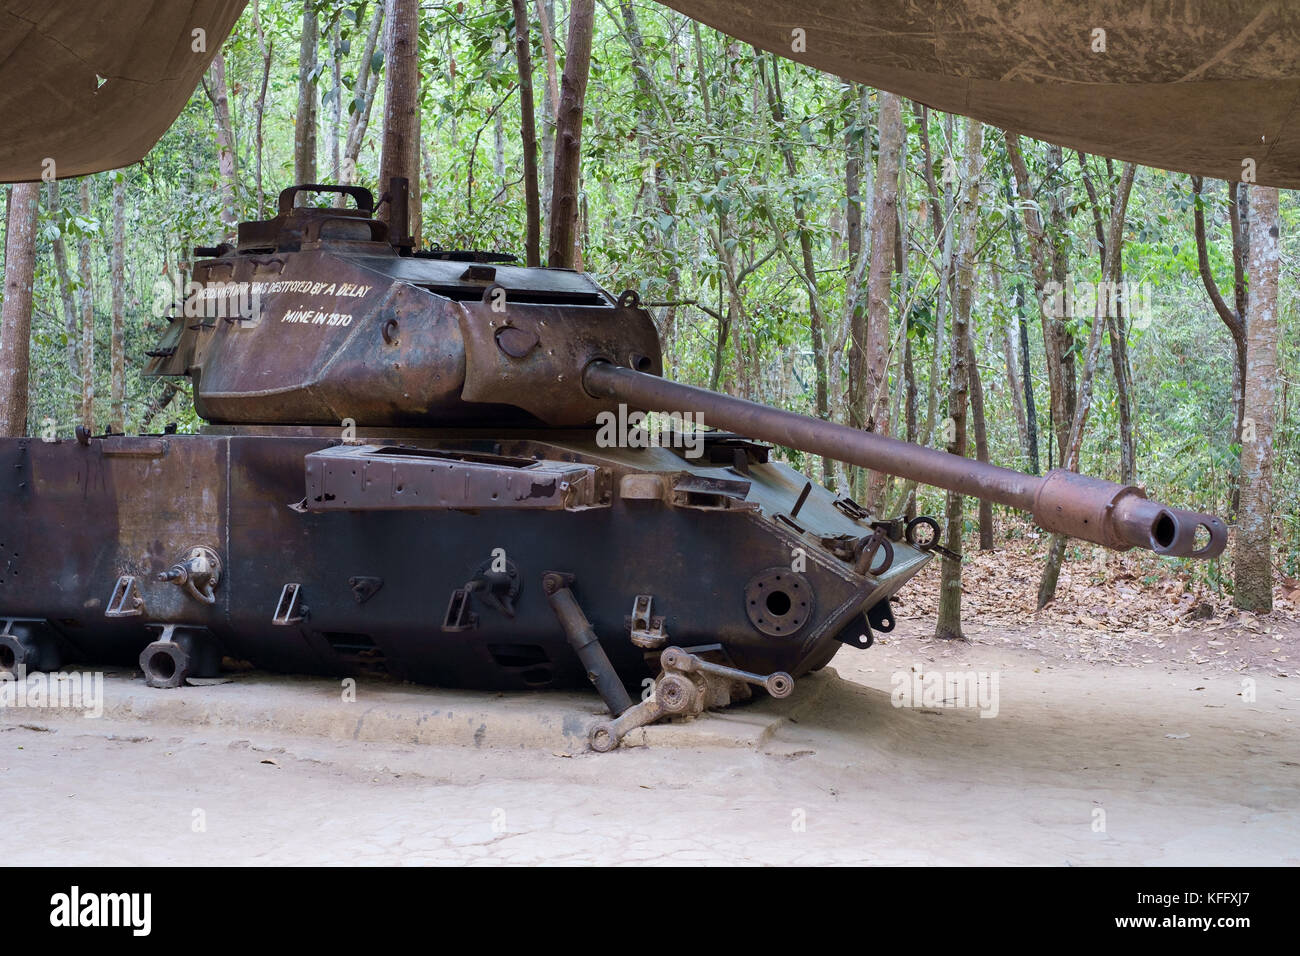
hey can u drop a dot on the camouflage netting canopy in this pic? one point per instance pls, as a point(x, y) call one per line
point(94, 85)
point(1193, 85)
point(1197, 86)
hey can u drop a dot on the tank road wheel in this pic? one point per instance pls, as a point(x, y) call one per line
point(165, 664)
point(12, 653)
point(27, 646)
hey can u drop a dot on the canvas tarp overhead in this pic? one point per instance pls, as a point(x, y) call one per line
point(93, 85)
point(1192, 85)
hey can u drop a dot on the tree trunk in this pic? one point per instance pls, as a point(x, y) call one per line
point(60, 249)
point(1045, 259)
point(1253, 552)
point(304, 124)
point(1073, 443)
point(1010, 355)
point(816, 317)
point(550, 103)
point(872, 350)
point(528, 135)
point(117, 279)
point(1111, 293)
point(981, 442)
point(1233, 316)
point(267, 50)
point(909, 375)
point(1022, 331)
point(226, 167)
point(401, 151)
point(16, 316)
point(568, 145)
point(949, 620)
point(367, 85)
point(156, 405)
point(336, 103)
point(84, 265)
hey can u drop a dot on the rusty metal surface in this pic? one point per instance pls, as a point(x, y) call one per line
point(544, 378)
point(445, 537)
point(381, 478)
point(296, 327)
point(138, 514)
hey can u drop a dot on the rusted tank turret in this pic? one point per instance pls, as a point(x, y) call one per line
point(436, 464)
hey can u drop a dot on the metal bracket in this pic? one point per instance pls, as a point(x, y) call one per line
point(646, 631)
point(459, 617)
point(364, 588)
point(865, 554)
point(881, 616)
point(290, 609)
point(127, 601)
point(498, 588)
point(930, 543)
point(850, 508)
point(859, 634)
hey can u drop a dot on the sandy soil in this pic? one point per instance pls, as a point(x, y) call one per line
point(1168, 762)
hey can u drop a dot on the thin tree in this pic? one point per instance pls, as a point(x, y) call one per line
point(117, 282)
point(1073, 443)
point(1021, 335)
point(332, 147)
point(267, 50)
point(16, 315)
point(1111, 293)
point(948, 625)
point(528, 135)
point(304, 124)
point(364, 91)
point(1253, 550)
point(226, 156)
point(1233, 316)
point(84, 264)
point(562, 244)
point(66, 285)
point(401, 150)
point(869, 355)
point(806, 267)
point(550, 106)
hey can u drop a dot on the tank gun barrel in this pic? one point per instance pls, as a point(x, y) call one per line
point(1103, 512)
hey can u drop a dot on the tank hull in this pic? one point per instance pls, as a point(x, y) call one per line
point(376, 581)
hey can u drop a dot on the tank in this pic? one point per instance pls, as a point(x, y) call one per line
point(438, 465)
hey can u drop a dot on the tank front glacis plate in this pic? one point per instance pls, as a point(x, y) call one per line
point(377, 584)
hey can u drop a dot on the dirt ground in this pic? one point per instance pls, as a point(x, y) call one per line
point(1170, 749)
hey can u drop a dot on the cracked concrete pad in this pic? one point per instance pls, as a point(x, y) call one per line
point(378, 711)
